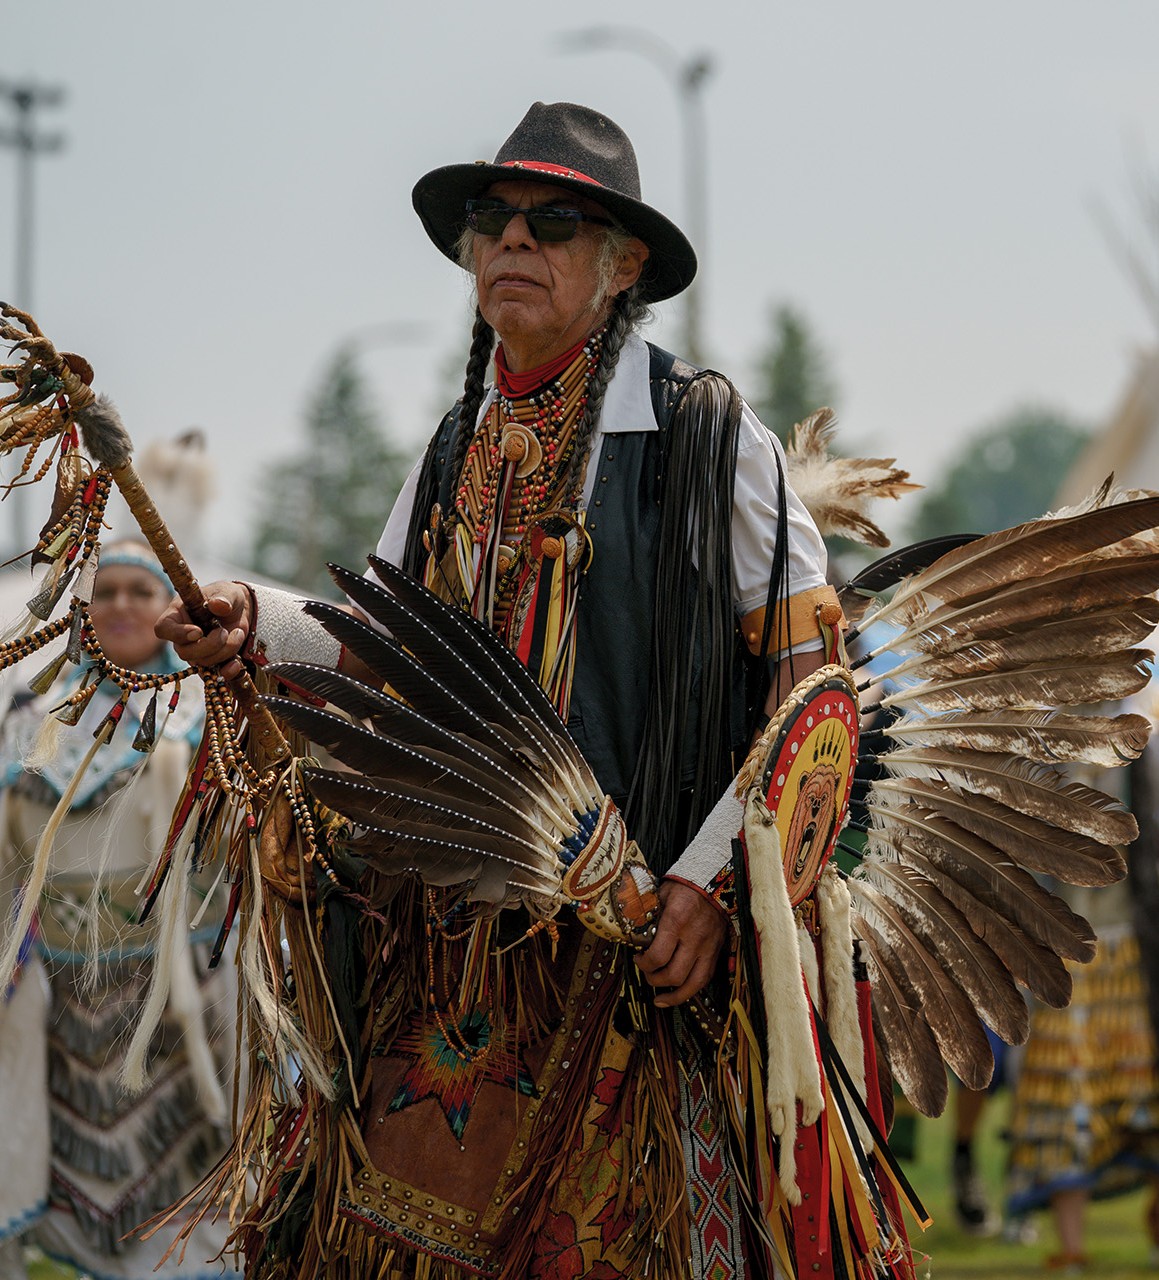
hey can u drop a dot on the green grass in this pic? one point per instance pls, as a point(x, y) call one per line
point(45, 1269)
point(1116, 1238)
point(1117, 1241)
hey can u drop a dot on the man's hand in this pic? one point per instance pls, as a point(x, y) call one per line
point(688, 942)
point(229, 602)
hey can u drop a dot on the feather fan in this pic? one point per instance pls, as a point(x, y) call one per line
point(462, 772)
point(966, 667)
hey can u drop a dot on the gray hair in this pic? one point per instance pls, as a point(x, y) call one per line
point(613, 245)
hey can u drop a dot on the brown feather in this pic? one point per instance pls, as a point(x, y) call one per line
point(1031, 550)
point(947, 651)
point(379, 757)
point(945, 931)
point(1024, 786)
point(1105, 678)
point(1036, 967)
point(910, 1045)
point(448, 862)
point(953, 1020)
point(1045, 736)
point(446, 856)
point(836, 491)
point(1038, 846)
point(358, 799)
point(1088, 588)
point(961, 1037)
point(989, 875)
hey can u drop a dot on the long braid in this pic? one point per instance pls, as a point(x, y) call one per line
point(627, 311)
point(474, 387)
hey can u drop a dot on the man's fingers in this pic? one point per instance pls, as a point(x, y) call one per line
point(674, 971)
point(209, 650)
point(696, 981)
point(659, 952)
point(220, 606)
point(689, 939)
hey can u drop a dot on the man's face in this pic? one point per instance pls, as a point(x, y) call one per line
point(541, 298)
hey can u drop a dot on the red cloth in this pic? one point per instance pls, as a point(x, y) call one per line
point(514, 385)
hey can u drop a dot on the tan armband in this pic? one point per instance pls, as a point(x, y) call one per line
point(796, 620)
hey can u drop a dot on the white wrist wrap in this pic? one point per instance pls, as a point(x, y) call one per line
point(711, 847)
point(283, 633)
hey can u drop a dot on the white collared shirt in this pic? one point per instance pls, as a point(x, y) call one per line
point(628, 407)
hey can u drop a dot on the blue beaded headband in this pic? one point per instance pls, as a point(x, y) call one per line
point(136, 555)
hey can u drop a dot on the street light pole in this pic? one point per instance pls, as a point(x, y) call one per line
point(688, 77)
point(25, 98)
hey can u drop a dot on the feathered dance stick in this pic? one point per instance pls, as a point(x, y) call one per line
point(244, 770)
point(53, 399)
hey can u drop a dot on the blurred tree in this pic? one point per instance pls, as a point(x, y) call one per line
point(1006, 474)
point(330, 501)
point(792, 375)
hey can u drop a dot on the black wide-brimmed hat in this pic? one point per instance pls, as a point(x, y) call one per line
point(572, 147)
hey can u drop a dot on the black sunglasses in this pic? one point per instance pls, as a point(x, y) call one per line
point(546, 222)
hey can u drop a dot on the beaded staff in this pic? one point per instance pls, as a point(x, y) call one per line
point(245, 759)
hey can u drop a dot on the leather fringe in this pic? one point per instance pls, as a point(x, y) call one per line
point(695, 559)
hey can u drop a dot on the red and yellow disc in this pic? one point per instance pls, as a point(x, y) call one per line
point(809, 772)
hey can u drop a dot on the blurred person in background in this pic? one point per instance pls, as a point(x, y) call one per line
point(976, 1215)
point(1085, 1119)
point(82, 1162)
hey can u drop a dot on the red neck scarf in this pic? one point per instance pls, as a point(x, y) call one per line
point(517, 385)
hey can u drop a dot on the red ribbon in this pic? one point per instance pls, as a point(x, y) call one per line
point(559, 170)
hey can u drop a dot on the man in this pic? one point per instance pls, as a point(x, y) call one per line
point(623, 523)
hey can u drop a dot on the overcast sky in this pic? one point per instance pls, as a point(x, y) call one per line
point(234, 198)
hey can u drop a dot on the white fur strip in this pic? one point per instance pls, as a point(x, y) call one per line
point(833, 908)
point(808, 953)
point(792, 1071)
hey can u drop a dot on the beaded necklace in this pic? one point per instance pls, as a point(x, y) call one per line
point(513, 474)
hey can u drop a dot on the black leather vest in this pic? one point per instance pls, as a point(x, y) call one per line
point(617, 612)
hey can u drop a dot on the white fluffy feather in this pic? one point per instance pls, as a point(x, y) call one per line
point(837, 491)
